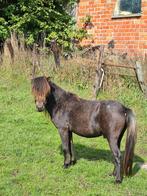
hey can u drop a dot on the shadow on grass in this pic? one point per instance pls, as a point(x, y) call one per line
point(93, 154)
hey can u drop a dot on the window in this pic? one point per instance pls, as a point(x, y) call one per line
point(126, 8)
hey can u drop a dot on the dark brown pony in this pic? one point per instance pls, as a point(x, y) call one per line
point(71, 114)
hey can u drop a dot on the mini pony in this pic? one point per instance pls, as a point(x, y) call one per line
point(71, 114)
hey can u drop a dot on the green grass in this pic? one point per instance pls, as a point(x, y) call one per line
point(30, 148)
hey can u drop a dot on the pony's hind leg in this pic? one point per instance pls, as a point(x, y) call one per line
point(117, 159)
point(64, 134)
point(72, 152)
point(118, 144)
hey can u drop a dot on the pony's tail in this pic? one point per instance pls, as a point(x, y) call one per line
point(130, 143)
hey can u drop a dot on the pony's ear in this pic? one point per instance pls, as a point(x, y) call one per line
point(48, 78)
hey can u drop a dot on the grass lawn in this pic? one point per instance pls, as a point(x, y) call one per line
point(30, 148)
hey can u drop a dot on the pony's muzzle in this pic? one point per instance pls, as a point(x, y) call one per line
point(40, 107)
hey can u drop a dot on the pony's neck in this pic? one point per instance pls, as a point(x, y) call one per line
point(56, 91)
point(54, 97)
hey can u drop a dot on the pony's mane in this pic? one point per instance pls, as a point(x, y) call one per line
point(40, 86)
point(73, 96)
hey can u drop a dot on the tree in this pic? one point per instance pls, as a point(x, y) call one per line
point(39, 19)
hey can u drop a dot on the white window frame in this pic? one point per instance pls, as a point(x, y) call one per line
point(123, 14)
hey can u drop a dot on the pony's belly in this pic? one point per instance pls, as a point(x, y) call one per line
point(87, 133)
point(85, 128)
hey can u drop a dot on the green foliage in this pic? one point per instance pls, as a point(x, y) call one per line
point(87, 18)
point(3, 29)
point(41, 19)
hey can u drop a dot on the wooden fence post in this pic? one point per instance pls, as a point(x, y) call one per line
point(140, 77)
point(99, 72)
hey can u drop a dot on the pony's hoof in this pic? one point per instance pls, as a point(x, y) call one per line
point(118, 181)
point(67, 165)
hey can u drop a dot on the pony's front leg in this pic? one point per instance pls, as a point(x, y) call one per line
point(64, 134)
point(72, 152)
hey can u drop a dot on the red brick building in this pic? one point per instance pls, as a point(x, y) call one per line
point(124, 21)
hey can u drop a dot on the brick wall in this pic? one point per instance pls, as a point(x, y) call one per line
point(130, 34)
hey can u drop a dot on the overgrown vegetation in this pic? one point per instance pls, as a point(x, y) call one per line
point(30, 153)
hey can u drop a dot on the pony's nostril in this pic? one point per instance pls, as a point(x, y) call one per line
point(40, 109)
